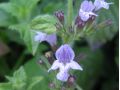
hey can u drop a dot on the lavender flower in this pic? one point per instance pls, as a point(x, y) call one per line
point(86, 10)
point(101, 4)
point(40, 36)
point(64, 62)
point(51, 39)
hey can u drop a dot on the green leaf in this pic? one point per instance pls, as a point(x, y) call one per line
point(35, 70)
point(19, 8)
point(6, 19)
point(30, 42)
point(22, 9)
point(44, 23)
point(19, 79)
point(45, 61)
point(34, 81)
point(27, 35)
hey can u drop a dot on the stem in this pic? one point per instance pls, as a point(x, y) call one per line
point(78, 87)
point(70, 13)
point(19, 62)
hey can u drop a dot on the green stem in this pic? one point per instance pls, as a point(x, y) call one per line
point(77, 86)
point(19, 62)
point(70, 13)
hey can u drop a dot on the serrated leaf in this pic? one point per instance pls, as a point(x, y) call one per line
point(44, 23)
point(27, 35)
point(19, 8)
point(19, 79)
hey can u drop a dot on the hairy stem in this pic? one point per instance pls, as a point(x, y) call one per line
point(70, 13)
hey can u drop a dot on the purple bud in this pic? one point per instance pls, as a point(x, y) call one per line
point(71, 80)
point(79, 23)
point(60, 16)
point(65, 54)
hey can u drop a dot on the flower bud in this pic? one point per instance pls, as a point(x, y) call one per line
point(60, 16)
point(51, 85)
point(79, 23)
point(71, 81)
point(104, 24)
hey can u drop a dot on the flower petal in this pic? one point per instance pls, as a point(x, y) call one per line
point(51, 39)
point(101, 4)
point(87, 6)
point(65, 54)
point(62, 76)
point(91, 13)
point(84, 15)
point(55, 65)
point(75, 65)
point(40, 36)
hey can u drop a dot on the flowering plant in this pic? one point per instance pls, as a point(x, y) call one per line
point(51, 40)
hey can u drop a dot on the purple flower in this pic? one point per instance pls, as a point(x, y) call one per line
point(40, 36)
point(101, 4)
point(86, 10)
point(64, 62)
point(65, 54)
point(51, 39)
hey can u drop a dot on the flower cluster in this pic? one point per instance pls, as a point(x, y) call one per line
point(65, 54)
point(88, 9)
